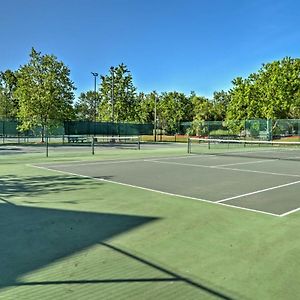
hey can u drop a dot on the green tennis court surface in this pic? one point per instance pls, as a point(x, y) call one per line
point(147, 224)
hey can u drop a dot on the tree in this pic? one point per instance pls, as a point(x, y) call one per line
point(171, 110)
point(8, 103)
point(271, 93)
point(220, 102)
point(145, 107)
point(45, 92)
point(118, 96)
point(202, 108)
point(279, 86)
point(86, 108)
point(245, 101)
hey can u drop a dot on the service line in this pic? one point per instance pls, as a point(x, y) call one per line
point(222, 168)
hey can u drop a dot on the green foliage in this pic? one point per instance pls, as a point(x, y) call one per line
point(221, 101)
point(197, 128)
point(8, 103)
point(271, 93)
point(205, 109)
point(171, 110)
point(86, 108)
point(44, 91)
point(236, 127)
point(118, 96)
point(254, 129)
point(146, 107)
point(202, 108)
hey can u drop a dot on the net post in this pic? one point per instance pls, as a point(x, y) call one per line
point(47, 141)
point(3, 130)
point(268, 130)
point(208, 128)
point(189, 145)
point(139, 143)
point(93, 145)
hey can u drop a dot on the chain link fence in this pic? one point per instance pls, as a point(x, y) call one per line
point(260, 129)
point(10, 132)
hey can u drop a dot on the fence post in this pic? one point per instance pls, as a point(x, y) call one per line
point(47, 141)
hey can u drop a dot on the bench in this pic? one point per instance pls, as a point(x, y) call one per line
point(76, 139)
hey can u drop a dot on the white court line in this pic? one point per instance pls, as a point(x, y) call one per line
point(95, 163)
point(240, 154)
point(259, 172)
point(290, 212)
point(186, 156)
point(167, 158)
point(224, 168)
point(245, 163)
point(292, 157)
point(157, 191)
point(259, 191)
point(106, 162)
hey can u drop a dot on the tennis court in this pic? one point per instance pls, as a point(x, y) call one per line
point(262, 183)
point(155, 223)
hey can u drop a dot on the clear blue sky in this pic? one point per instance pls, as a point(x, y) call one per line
point(182, 45)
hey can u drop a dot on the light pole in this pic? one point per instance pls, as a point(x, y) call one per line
point(155, 117)
point(94, 109)
point(95, 97)
point(112, 70)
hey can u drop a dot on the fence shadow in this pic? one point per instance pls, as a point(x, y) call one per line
point(33, 237)
point(166, 276)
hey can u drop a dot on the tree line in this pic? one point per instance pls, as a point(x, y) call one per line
point(41, 93)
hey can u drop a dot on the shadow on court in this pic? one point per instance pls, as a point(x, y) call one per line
point(32, 238)
point(10, 151)
point(10, 185)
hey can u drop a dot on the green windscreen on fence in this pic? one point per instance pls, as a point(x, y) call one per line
point(107, 128)
point(8, 127)
point(259, 129)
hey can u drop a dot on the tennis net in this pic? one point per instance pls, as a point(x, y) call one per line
point(245, 148)
point(117, 142)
